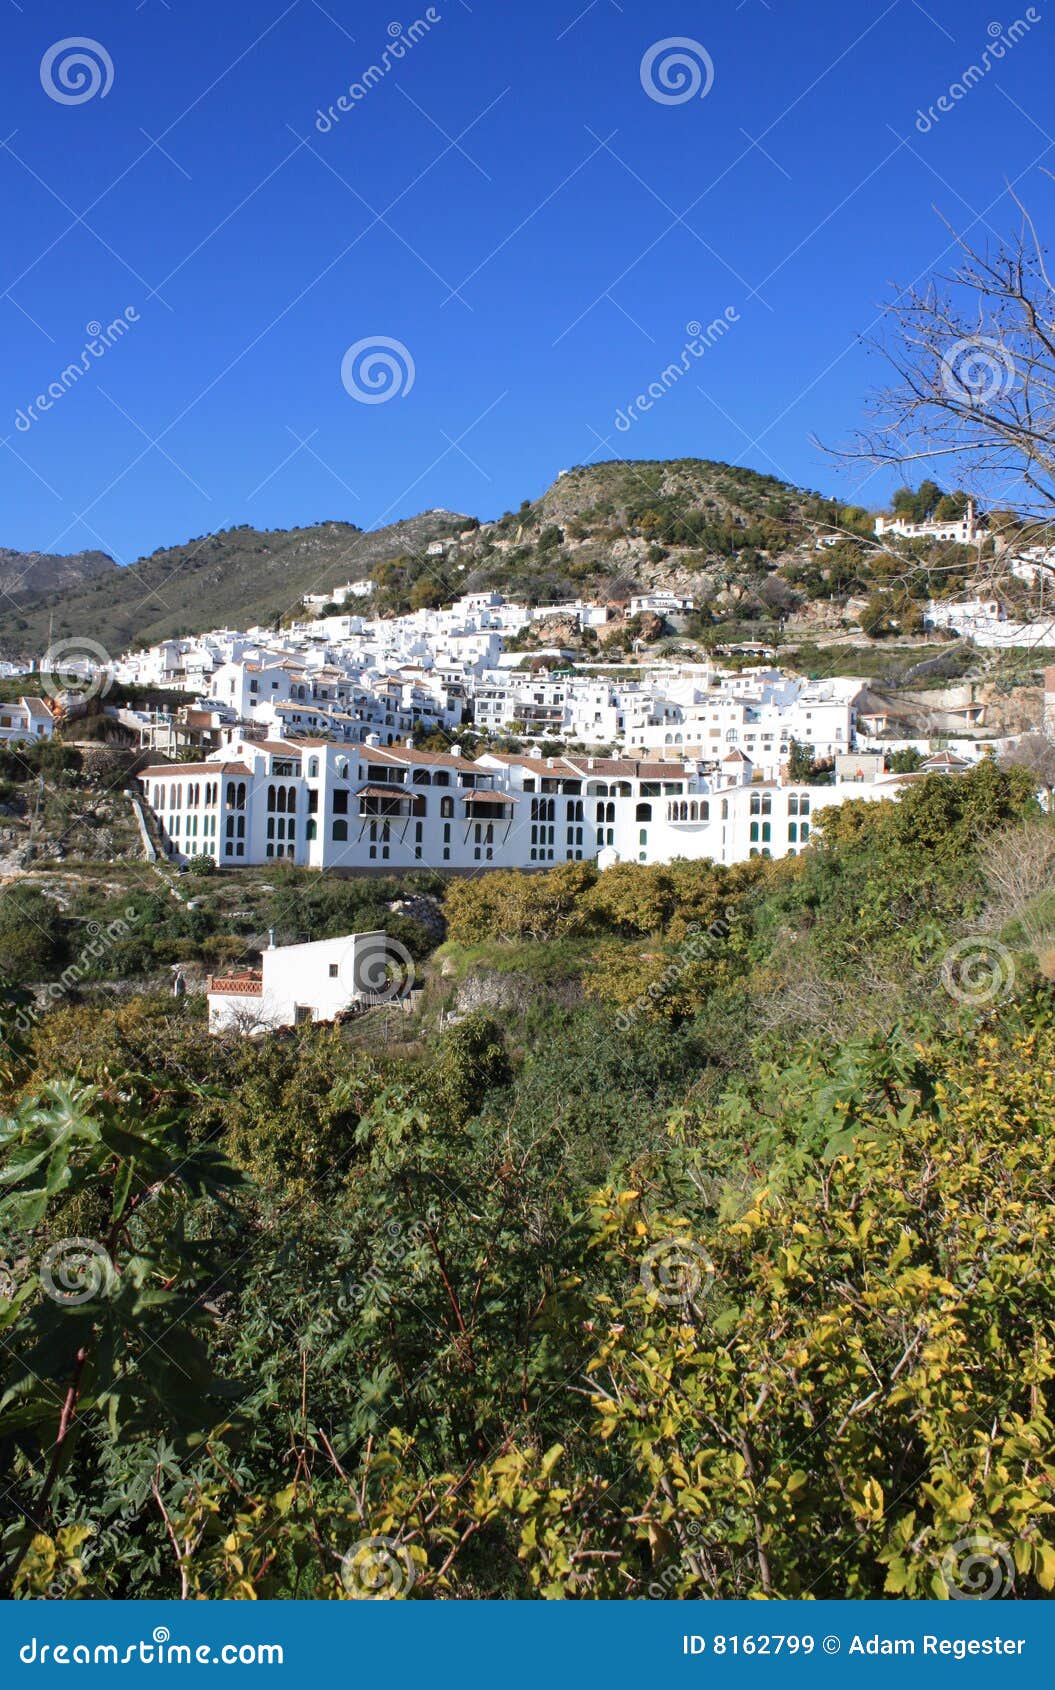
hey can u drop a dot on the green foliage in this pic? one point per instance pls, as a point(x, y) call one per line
point(33, 935)
point(690, 1237)
point(103, 1311)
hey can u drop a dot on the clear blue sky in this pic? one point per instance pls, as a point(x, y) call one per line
point(508, 203)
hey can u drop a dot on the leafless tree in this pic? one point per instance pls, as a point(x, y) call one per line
point(973, 360)
point(1035, 752)
point(1019, 869)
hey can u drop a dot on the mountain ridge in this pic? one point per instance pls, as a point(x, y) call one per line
point(734, 539)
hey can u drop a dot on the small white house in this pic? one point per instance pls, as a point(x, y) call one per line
point(29, 719)
point(962, 530)
point(661, 603)
point(298, 983)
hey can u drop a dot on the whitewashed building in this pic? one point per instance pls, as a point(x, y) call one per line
point(380, 809)
point(29, 719)
point(297, 983)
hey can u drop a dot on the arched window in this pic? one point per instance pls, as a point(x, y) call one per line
point(342, 771)
point(313, 768)
point(793, 804)
point(340, 831)
point(446, 806)
point(311, 829)
point(643, 813)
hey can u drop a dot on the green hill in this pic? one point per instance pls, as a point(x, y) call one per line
point(742, 544)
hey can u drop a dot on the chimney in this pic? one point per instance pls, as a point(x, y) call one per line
point(271, 938)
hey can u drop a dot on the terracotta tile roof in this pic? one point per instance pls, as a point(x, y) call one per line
point(585, 768)
point(175, 770)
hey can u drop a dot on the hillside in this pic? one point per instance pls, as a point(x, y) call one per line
point(746, 547)
point(239, 577)
point(28, 575)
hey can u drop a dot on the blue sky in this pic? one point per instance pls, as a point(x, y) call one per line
point(508, 203)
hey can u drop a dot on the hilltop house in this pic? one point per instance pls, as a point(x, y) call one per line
point(297, 983)
point(963, 530)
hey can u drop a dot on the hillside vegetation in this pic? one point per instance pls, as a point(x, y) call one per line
point(747, 547)
point(691, 1237)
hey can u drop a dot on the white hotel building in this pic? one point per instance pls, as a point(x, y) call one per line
point(369, 808)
